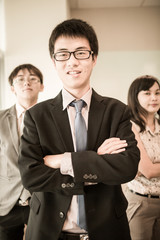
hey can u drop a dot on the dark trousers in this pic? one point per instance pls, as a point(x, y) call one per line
point(12, 224)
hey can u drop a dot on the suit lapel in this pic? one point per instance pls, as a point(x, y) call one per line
point(12, 124)
point(61, 121)
point(96, 114)
point(60, 118)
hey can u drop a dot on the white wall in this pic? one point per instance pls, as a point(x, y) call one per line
point(116, 70)
point(129, 40)
point(124, 29)
point(28, 27)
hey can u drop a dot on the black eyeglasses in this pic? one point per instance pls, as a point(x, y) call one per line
point(78, 54)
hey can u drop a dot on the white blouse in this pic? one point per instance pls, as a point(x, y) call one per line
point(151, 142)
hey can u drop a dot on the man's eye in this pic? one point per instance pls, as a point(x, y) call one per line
point(81, 53)
point(62, 54)
point(20, 79)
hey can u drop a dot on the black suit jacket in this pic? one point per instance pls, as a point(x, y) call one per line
point(47, 131)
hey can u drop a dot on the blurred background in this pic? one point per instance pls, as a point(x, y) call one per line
point(128, 33)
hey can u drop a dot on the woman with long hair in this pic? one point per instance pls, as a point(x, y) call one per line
point(143, 193)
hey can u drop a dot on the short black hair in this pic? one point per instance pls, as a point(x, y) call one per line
point(74, 28)
point(30, 68)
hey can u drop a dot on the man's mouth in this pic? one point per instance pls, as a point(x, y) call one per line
point(73, 72)
point(27, 89)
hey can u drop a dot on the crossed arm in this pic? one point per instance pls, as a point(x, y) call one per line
point(146, 167)
point(109, 146)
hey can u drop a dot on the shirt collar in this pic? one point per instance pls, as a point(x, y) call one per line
point(157, 128)
point(19, 109)
point(68, 98)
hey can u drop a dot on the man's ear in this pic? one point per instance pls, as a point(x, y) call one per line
point(54, 62)
point(94, 60)
point(12, 89)
point(41, 88)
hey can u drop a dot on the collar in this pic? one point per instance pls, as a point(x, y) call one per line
point(157, 128)
point(19, 109)
point(68, 98)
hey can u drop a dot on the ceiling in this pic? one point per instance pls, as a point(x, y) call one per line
point(83, 4)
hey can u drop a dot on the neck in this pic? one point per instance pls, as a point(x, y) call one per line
point(27, 104)
point(150, 121)
point(78, 93)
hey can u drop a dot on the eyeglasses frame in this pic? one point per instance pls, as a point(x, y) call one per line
point(89, 51)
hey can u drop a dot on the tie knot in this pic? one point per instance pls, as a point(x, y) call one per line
point(78, 105)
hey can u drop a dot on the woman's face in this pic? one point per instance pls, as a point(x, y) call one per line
point(150, 99)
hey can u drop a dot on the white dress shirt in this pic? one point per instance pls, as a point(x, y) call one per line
point(66, 164)
point(20, 117)
point(20, 111)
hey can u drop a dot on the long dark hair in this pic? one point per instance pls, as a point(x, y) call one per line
point(137, 112)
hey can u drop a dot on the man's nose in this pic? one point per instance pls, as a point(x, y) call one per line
point(27, 81)
point(72, 60)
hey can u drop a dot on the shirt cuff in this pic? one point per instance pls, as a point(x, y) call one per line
point(66, 165)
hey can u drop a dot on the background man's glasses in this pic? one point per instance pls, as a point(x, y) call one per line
point(21, 80)
point(79, 54)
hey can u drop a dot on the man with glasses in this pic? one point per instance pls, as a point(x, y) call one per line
point(78, 54)
point(77, 149)
point(26, 82)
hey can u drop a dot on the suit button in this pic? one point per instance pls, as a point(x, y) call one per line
point(61, 214)
point(85, 176)
point(90, 176)
point(63, 185)
point(94, 176)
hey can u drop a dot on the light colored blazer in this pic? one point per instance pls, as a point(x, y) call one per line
point(10, 180)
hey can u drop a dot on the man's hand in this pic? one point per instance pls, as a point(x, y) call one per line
point(53, 161)
point(109, 146)
point(112, 145)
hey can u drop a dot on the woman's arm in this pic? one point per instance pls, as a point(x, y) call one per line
point(146, 167)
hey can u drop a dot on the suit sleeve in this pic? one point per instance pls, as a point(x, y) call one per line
point(111, 169)
point(43, 137)
point(37, 177)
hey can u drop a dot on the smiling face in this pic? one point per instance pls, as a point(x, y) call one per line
point(150, 99)
point(26, 86)
point(75, 74)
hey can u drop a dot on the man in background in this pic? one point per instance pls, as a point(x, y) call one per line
point(26, 82)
